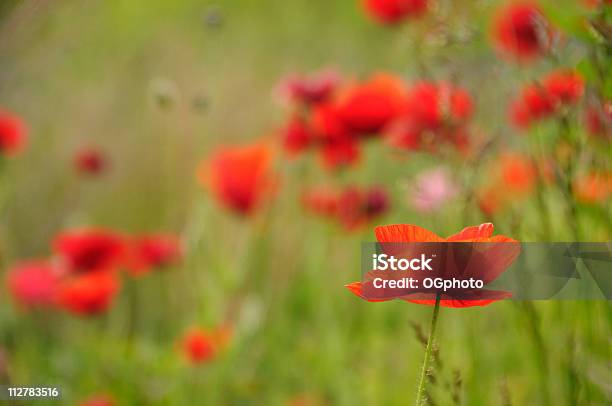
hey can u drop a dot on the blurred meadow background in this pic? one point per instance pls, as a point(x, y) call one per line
point(126, 104)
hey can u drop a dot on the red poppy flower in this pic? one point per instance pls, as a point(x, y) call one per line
point(13, 134)
point(357, 207)
point(461, 106)
point(406, 136)
point(338, 147)
point(366, 108)
point(595, 3)
point(309, 89)
point(240, 178)
point(339, 153)
point(490, 200)
point(593, 188)
point(564, 86)
point(327, 124)
point(519, 115)
point(394, 11)
point(33, 284)
point(297, 136)
point(522, 31)
point(496, 263)
point(353, 207)
point(321, 201)
point(534, 103)
point(429, 105)
point(538, 101)
point(90, 161)
point(90, 293)
point(90, 249)
point(434, 114)
point(200, 346)
point(519, 173)
point(424, 106)
point(148, 252)
point(598, 119)
point(98, 400)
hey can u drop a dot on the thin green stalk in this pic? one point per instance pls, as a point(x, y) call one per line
point(533, 320)
point(428, 351)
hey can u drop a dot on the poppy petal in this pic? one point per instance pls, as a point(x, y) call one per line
point(484, 230)
point(405, 233)
point(355, 288)
point(485, 297)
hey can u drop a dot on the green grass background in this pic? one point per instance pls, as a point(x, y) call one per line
point(85, 72)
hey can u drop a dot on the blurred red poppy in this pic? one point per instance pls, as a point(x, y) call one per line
point(90, 161)
point(357, 206)
point(519, 173)
point(595, 3)
point(352, 207)
point(240, 178)
point(309, 89)
point(534, 103)
point(394, 11)
point(322, 201)
point(89, 293)
point(483, 233)
point(434, 114)
point(366, 108)
point(490, 201)
point(199, 345)
point(153, 251)
point(593, 188)
point(297, 135)
point(598, 120)
point(430, 104)
point(522, 31)
point(90, 249)
point(98, 400)
point(13, 133)
point(33, 284)
point(564, 86)
point(338, 147)
point(541, 100)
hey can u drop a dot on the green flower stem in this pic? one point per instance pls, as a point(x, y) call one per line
point(428, 352)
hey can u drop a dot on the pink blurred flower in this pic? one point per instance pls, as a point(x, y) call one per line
point(33, 284)
point(431, 190)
